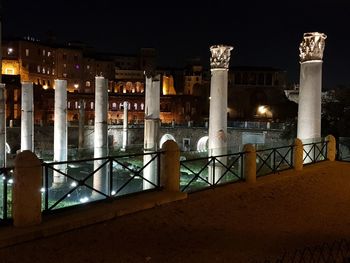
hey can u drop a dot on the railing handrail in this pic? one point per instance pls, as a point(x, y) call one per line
point(100, 158)
point(212, 156)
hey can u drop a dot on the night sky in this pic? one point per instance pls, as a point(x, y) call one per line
point(263, 33)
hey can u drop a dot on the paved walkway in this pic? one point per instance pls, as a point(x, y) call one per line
point(233, 223)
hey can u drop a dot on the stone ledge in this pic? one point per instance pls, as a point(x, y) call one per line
point(84, 216)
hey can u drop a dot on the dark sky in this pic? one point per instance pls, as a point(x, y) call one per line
point(263, 33)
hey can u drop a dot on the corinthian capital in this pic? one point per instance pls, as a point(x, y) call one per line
point(312, 46)
point(220, 56)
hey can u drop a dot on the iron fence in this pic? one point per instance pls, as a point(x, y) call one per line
point(336, 252)
point(6, 179)
point(315, 152)
point(71, 183)
point(273, 160)
point(199, 173)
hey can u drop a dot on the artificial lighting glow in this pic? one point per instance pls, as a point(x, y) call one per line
point(45, 87)
point(3, 178)
point(84, 199)
point(262, 109)
point(209, 98)
point(76, 86)
point(73, 184)
point(10, 181)
point(68, 195)
point(10, 50)
point(42, 189)
point(113, 192)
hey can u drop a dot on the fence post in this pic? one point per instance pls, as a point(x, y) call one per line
point(298, 155)
point(249, 163)
point(331, 147)
point(26, 208)
point(170, 166)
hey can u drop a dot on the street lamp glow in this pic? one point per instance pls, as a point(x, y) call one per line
point(262, 109)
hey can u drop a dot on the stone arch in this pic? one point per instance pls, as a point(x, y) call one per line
point(202, 144)
point(165, 138)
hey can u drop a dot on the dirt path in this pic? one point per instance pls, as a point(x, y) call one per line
point(235, 223)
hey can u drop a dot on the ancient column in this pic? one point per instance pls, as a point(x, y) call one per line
point(27, 117)
point(2, 126)
point(219, 62)
point(151, 132)
point(309, 111)
point(125, 126)
point(60, 132)
point(100, 135)
point(81, 123)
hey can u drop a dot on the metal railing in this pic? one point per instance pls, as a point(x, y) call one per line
point(200, 173)
point(6, 182)
point(315, 152)
point(273, 160)
point(71, 183)
point(336, 252)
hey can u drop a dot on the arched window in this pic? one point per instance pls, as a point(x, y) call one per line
point(142, 106)
point(135, 106)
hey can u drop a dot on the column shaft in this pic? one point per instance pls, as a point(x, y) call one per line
point(60, 131)
point(2, 126)
point(101, 134)
point(27, 117)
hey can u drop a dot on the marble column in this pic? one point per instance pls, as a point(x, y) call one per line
point(219, 62)
point(151, 130)
point(309, 111)
point(2, 126)
point(100, 181)
point(27, 117)
point(60, 131)
point(81, 123)
point(125, 126)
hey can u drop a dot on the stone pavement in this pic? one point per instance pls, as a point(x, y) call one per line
point(234, 223)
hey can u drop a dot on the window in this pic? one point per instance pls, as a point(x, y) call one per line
point(87, 84)
point(87, 66)
point(68, 104)
point(53, 71)
point(44, 52)
point(64, 75)
point(38, 68)
point(10, 71)
point(114, 105)
point(10, 51)
point(135, 106)
point(48, 53)
point(91, 105)
point(76, 105)
point(43, 70)
point(27, 52)
point(64, 65)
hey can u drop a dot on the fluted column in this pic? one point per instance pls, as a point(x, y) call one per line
point(27, 117)
point(219, 62)
point(60, 131)
point(100, 135)
point(151, 129)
